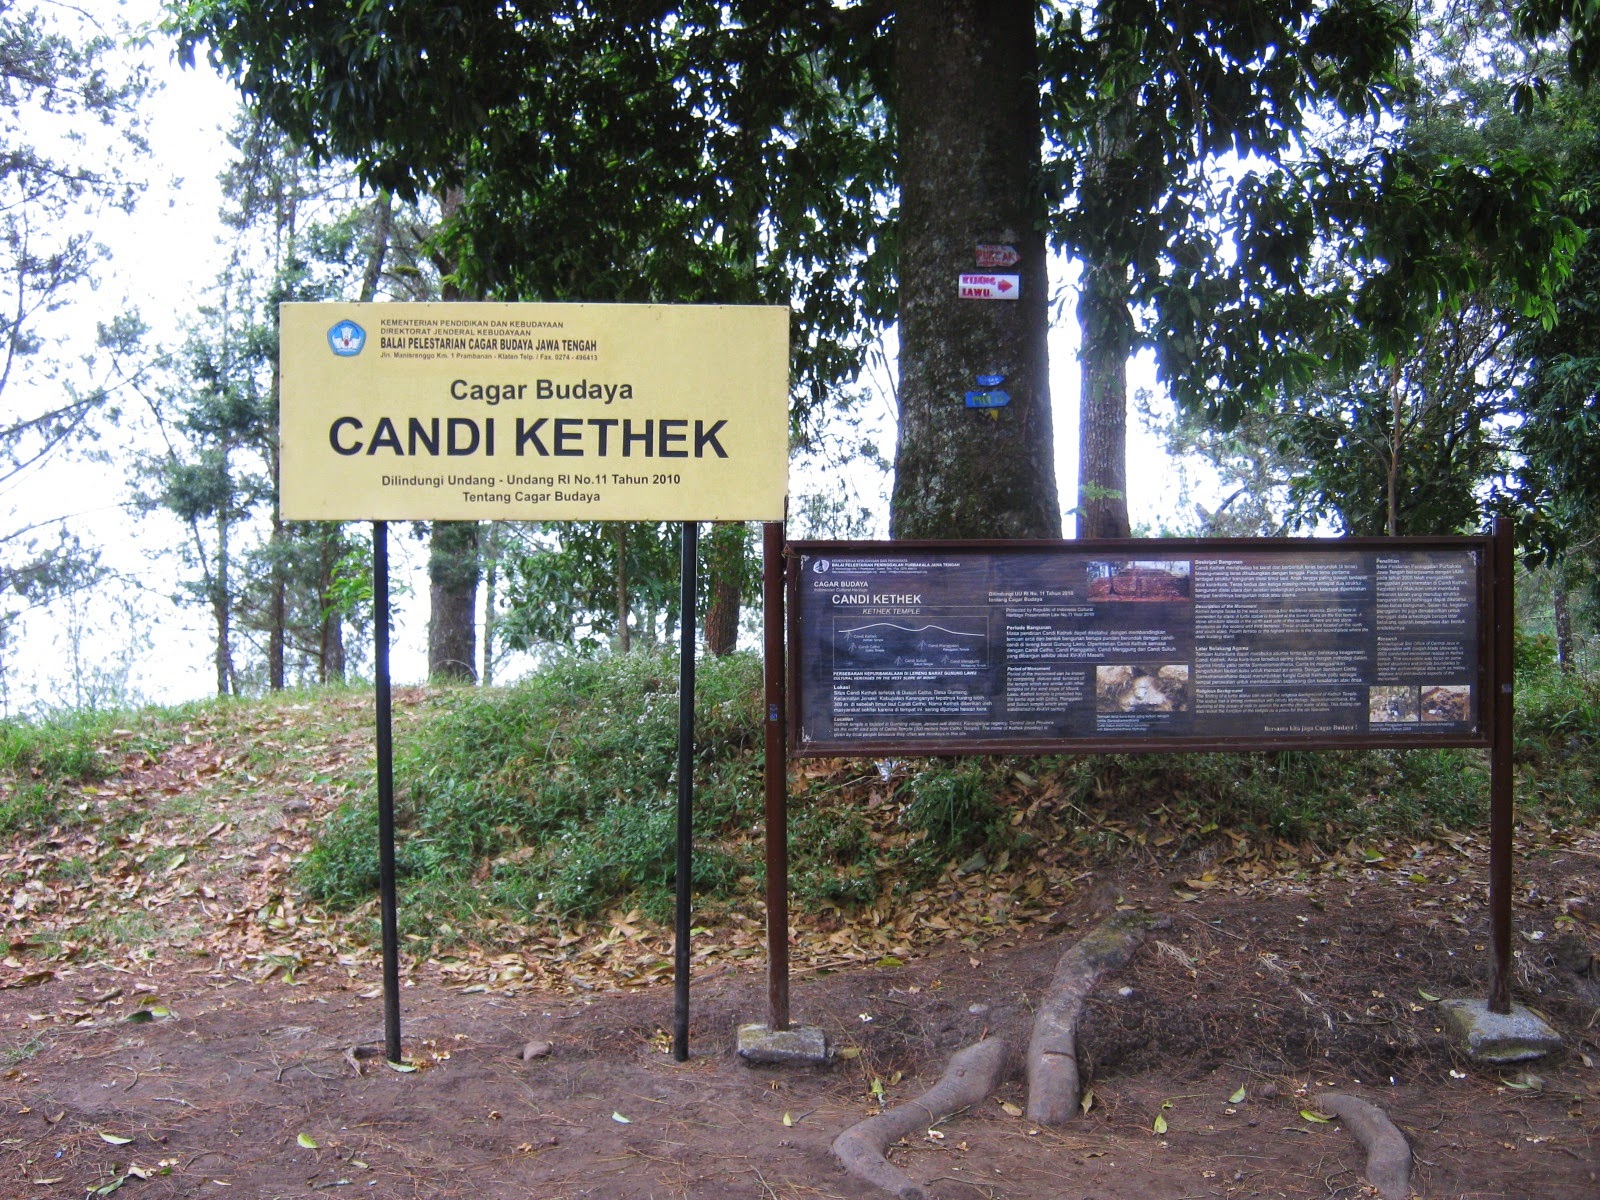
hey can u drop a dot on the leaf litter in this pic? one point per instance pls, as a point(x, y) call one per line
point(180, 867)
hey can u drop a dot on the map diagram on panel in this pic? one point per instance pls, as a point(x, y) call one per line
point(936, 643)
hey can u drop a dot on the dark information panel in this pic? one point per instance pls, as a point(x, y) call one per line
point(960, 647)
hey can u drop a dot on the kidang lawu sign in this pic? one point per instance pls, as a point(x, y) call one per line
point(549, 412)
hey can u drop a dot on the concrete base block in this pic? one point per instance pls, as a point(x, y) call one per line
point(1498, 1039)
point(799, 1045)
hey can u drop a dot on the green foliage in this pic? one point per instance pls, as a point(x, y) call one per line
point(69, 126)
point(1557, 736)
point(69, 747)
point(1556, 711)
point(1323, 798)
point(28, 806)
point(40, 759)
point(554, 800)
point(831, 856)
point(562, 788)
point(953, 807)
point(563, 590)
point(684, 154)
point(1559, 438)
point(1533, 652)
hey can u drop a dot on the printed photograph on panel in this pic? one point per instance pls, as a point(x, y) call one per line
point(1447, 702)
point(1134, 688)
point(1140, 579)
point(1388, 705)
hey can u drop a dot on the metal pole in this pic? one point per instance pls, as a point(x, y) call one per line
point(1501, 813)
point(685, 868)
point(777, 782)
point(387, 905)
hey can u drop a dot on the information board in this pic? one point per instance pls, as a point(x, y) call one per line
point(534, 412)
point(930, 648)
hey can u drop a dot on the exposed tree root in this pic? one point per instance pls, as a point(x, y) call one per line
point(1388, 1152)
point(1053, 1050)
point(970, 1077)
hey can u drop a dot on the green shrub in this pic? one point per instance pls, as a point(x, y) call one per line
point(572, 774)
point(953, 806)
point(556, 799)
point(67, 747)
point(1532, 652)
point(41, 758)
point(1556, 707)
point(830, 856)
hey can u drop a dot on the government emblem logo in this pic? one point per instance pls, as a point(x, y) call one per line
point(346, 339)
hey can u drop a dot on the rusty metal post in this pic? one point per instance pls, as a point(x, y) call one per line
point(1501, 813)
point(777, 781)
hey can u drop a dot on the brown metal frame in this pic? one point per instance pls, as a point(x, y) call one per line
point(1496, 617)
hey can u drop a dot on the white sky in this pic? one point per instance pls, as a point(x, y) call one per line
point(164, 257)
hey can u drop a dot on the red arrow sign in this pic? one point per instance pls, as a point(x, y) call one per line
point(990, 287)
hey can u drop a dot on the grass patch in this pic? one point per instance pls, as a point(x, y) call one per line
point(42, 760)
point(559, 793)
point(555, 800)
point(12, 1055)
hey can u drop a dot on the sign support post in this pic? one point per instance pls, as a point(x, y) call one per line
point(1501, 812)
point(776, 777)
point(1175, 644)
point(387, 900)
point(685, 867)
point(482, 411)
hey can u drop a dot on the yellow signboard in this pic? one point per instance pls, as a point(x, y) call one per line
point(534, 412)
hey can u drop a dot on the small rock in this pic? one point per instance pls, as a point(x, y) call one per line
point(296, 807)
point(1268, 1091)
point(978, 1010)
point(536, 1049)
point(1496, 1039)
point(799, 1045)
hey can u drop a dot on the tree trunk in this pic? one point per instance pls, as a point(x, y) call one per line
point(278, 603)
point(967, 107)
point(330, 621)
point(1106, 320)
point(725, 550)
point(453, 545)
point(1561, 600)
point(624, 638)
point(1391, 481)
point(382, 228)
point(491, 587)
point(452, 601)
point(222, 610)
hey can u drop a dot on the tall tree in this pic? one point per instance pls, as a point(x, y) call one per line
point(70, 133)
point(667, 129)
point(970, 175)
point(454, 566)
point(1558, 437)
point(453, 571)
point(1186, 222)
point(277, 593)
point(586, 585)
point(1431, 277)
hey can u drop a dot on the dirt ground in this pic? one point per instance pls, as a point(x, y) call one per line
point(202, 1072)
point(278, 1088)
